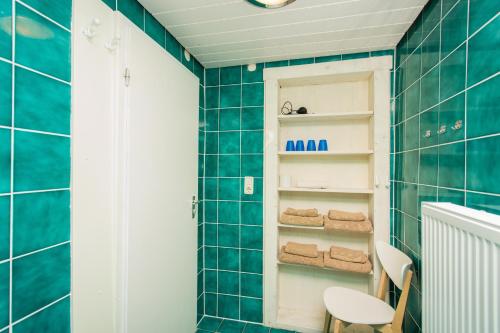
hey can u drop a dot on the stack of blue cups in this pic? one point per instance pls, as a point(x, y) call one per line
point(311, 145)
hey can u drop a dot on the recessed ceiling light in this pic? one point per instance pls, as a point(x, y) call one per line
point(270, 4)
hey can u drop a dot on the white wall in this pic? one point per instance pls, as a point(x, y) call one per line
point(93, 252)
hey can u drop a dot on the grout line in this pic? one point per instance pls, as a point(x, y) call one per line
point(42, 73)
point(40, 310)
point(11, 217)
point(41, 250)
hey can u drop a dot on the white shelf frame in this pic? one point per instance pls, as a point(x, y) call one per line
point(378, 69)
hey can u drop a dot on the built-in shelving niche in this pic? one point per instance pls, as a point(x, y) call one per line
point(349, 105)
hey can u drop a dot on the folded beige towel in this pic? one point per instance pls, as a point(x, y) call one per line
point(305, 250)
point(346, 216)
point(341, 253)
point(337, 225)
point(301, 260)
point(347, 266)
point(300, 220)
point(312, 212)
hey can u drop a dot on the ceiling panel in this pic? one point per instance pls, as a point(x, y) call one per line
point(232, 32)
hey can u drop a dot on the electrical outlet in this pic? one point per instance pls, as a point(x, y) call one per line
point(249, 185)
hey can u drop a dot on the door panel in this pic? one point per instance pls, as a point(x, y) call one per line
point(161, 149)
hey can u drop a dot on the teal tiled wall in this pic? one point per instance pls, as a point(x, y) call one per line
point(447, 70)
point(233, 239)
point(35, 111)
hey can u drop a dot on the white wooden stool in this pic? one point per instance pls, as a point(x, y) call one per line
point(349, 306)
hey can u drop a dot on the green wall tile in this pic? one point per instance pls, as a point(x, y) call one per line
point(253, 94)
point(251, 309)
point(6, 34)
point(412, 234)
point(211, 189)
point(210, 281)
point(414, 35)
point(46, 49)
point(228, 282)
point(41, 161)
point(447, 5)
point(229, 189)
point(5, 160)
point(173, 46)
point(230, 119)
point(252, 118)
point(411, 134)
point(57, 10)
point(252, 142)
point(430, 17)
point(279, 63)
point(5, 93)
point(228, 235)
point(230, 75)
point(211, 163)
point(229, 212)
point(212, 143)
point(453, 73)
point(451, 165)
point(251, 213)
point(430, 50)
point(351, 56)
point(41, 103)
point(252, 165)
point(212, 120)
point(39, 279)
point(4, 228)
point(40, 220)
point(255, 76)
point(430, 89)
point(483, 158)
point(484, 53)
point(211, 304)
point(111, 4)
point(229, 165)
point(425, 194)
point(210, 324)
point(450, 112)
point(212, 77)
point(229, 142)
point(54, 319)
point(428, 166)
point(199, 71)
point(413, 67)
point(251, 261)
point(255, 328)
point(409, 199)
point(483, 102)
point(251, 285)
point(303, 61)
point(211, 234)
point(229, 259)
point(410, 163)
point(210, 257)
point(454, 28)
point(251, 237)
point(447, 195)
point(258, 190)
point(429, 121)
point(328, 58)
point(4, 294)
point(228, 307)
point(133, 10)
point(412, 98)
point(154, 29)
point(230, 96)
point(212, 97)
point(480, 12)
point(488, 203)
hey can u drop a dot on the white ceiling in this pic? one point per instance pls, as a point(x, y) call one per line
point(233, 32)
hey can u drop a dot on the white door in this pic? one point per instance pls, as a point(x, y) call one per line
point(160, 179)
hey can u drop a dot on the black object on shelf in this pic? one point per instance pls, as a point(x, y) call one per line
point(287, 109)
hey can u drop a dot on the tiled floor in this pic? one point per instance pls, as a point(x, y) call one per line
point(217, 325)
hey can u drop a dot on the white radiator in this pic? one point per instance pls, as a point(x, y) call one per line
point(460, 270)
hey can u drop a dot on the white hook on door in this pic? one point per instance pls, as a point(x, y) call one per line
point(90, 31)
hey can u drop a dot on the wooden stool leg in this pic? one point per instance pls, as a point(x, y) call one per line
point(338, 326)
point(328, 322)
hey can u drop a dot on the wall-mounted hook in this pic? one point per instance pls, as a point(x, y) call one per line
point(442, 129)
point(90, 31)
point(428, 134)
point(113, 44)
point(458, 125)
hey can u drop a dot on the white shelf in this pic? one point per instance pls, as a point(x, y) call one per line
point(326, 190)
point(284, 264)
point(325, 153)
point(321, 229)
point(324, 116)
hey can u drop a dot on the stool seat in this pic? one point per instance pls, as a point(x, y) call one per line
point(355, 307)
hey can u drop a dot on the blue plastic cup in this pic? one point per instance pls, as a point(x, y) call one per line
point(299, 146)
point(323, 145)
point(290, 146)
point(311, 145)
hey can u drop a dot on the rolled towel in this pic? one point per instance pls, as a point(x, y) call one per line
point(346, 266)
point(301, 260)
point(312, 212)
point(305, 250)
point(350, 226)
point(341, 253)
point(346, 216)
point(300, 220)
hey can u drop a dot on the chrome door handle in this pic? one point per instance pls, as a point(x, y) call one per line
point(194, 205)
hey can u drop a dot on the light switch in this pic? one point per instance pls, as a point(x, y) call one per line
point(248, 185)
